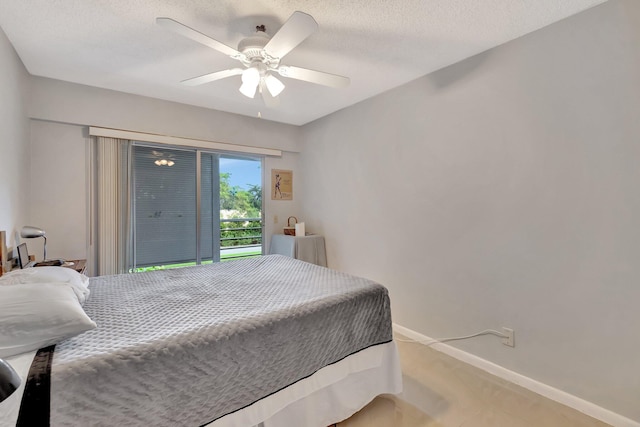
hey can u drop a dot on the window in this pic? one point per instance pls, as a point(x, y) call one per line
point(192, 206)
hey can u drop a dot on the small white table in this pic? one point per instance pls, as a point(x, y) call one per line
point(306, 248)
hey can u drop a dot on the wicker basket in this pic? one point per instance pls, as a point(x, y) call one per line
point(290, 230)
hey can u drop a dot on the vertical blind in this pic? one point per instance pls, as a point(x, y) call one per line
point(111, 227)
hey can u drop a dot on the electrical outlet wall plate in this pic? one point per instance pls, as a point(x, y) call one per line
point(510, 339)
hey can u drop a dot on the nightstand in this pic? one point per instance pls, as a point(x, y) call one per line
point(306, 248)
point(78, 265)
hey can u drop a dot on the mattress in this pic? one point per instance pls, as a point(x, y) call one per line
point(194, 345)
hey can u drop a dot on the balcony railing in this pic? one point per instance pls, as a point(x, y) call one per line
point(240, 238)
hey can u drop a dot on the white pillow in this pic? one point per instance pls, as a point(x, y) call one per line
point(79, 282)
point(35, 315)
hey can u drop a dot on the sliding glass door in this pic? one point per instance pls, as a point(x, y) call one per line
point(183, 198)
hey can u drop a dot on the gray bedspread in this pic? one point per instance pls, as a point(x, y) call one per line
point(184, 347)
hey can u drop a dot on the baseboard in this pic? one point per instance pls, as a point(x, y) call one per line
point(542, 389)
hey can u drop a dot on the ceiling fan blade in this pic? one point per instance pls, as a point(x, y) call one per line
point(298, 27)
point(206, 78)
point(197, 36)
point(313, 76)
point(269, 101)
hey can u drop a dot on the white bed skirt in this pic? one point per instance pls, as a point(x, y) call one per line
point(331, 395)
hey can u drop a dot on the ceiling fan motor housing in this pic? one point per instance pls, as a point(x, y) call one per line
point(253, 49)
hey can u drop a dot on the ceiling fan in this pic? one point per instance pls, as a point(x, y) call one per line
point(260, 55)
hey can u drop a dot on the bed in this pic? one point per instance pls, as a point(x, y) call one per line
point(266, 341)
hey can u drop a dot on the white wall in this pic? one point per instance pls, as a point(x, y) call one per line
point(58, 196)
point(64, 102)
point(503, 191)
point(61, 113)
point(14, 141)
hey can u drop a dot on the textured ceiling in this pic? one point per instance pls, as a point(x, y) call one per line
point(116, 44)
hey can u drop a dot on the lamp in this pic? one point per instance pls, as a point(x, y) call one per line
point(9, 380)
point(29, 232)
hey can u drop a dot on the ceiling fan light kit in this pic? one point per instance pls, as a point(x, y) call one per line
point(261, 55)
point(250, 81)
point(274, 85)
